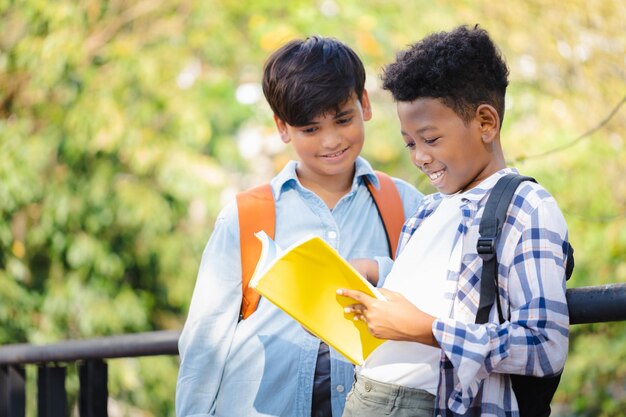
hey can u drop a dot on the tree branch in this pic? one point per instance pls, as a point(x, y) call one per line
point(96, 40)
point(576, 140)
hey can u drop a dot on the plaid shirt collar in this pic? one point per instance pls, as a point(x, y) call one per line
point(465, 376)
point(473, 199)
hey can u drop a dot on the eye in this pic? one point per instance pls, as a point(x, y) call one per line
point(410, 145)
point(309, 130)
point(344, 121)
point(431, 141)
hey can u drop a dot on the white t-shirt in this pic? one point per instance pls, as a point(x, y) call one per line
point(420, 273)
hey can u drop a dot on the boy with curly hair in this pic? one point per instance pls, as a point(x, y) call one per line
point(267, 364)
point(450, 89)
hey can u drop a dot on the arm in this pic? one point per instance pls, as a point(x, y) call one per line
point(534, 338)
point(366, 267)
point(537, 296)
point(374, 270)
point(213, 316)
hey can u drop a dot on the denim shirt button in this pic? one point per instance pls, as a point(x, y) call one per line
point(332, 234)
point(340, 388)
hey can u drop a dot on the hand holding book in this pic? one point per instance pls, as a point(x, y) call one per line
point(303, 281)
point(394, 318)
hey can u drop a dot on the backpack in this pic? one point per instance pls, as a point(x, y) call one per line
point(256, 210)
point(533, 394)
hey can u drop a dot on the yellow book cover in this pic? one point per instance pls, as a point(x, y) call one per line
point(303, 281)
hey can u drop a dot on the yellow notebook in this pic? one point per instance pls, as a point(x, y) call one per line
point(303, 280)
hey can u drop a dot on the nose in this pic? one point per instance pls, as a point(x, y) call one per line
point(331, 140)
point(421, 157)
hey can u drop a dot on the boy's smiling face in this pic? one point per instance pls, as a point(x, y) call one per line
point(455, 155)
point(328, 146)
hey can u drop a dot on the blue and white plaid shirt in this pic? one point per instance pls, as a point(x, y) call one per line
point(477, 358)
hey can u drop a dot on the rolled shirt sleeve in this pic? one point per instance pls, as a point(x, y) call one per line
point(533, 339)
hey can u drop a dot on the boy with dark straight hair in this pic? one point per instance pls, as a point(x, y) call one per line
point(440, 359)
point(267, 364)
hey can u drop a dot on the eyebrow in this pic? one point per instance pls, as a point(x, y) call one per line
point(420, 131)
point(343, 113)
point(335, 117)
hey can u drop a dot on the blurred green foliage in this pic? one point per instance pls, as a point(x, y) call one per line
point(126, 125)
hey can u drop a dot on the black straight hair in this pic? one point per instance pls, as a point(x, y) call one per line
point(311, 77)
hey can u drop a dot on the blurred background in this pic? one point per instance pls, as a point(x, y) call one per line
point(126, 125)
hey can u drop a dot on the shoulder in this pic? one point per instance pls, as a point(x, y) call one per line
point(534, 207)
point(533, 193)
point(227, 219)
point(531, 196)
point(224, 237)
point(427, 206)
point(430, 202)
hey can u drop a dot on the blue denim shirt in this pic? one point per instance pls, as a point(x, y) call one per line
point(264, 365)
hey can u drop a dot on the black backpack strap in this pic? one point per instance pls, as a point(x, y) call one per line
point(533, 394)
point(493, 218)
point(569, 267)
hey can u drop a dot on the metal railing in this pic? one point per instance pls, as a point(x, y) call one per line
point(595, 304)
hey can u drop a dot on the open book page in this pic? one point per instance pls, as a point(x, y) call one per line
point(269, 253)
point(303, 280)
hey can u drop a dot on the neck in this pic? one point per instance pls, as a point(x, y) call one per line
point(330, 188)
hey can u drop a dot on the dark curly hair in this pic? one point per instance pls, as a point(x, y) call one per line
point(463, 68)
point(306, 78)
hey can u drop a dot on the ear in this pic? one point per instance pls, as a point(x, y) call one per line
point(489, 121)
point(282, 129)
point(366, 106)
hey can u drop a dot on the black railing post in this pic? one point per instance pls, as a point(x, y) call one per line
point(12, 391)
point(93, 389)
point(602, 303)
point(51, 395)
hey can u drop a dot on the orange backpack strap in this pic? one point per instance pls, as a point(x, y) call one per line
point(256, 210)
point(389, 205)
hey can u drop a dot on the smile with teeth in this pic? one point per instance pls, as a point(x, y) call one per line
point(336, 154)
point(434, 175)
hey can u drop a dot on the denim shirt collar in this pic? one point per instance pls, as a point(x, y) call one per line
point(287, 177)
